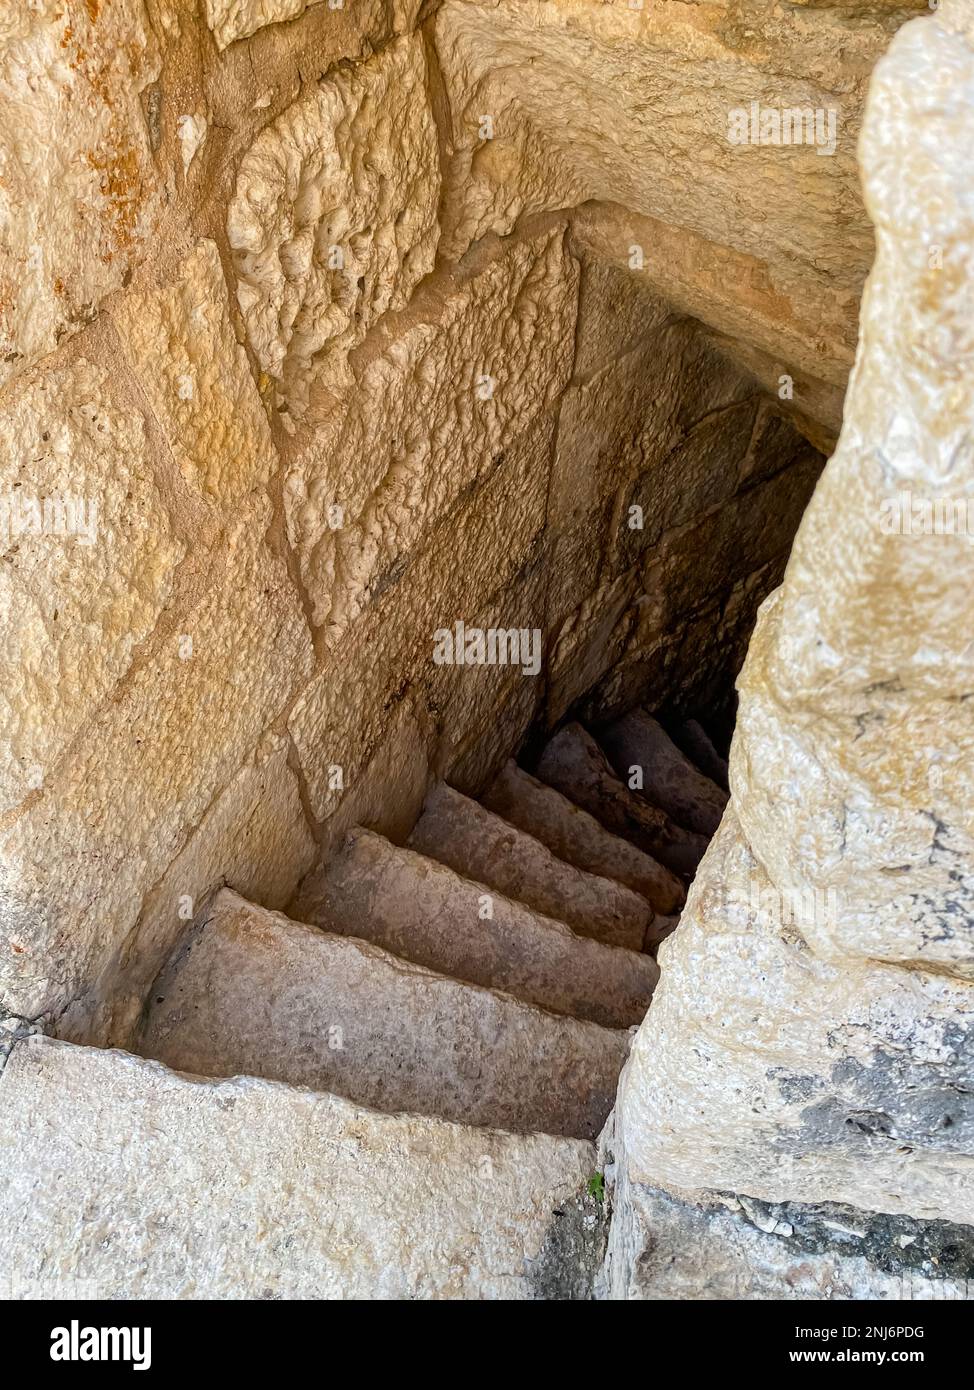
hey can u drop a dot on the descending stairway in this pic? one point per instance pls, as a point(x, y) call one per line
point(458, 1008)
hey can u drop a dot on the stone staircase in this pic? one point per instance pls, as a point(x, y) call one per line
point(395, 1089)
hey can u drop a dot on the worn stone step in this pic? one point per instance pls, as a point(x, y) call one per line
point(424, 912)
point(670, 781)
point(481, 845)
point(578, 838)
point(692, 738)
point(256, 993)
point(660, 928)
point(118, 1174)
point(573, 763)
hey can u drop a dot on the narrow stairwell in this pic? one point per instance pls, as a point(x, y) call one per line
point(486, 976)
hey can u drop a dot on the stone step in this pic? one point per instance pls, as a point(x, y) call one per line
point(255, 993)
point(481, 845)
point(574, 764)
point(578, 838)
point(118, 1174)
point(690, 736)
point(424, 912)
point(670, 780)
point(660, 928)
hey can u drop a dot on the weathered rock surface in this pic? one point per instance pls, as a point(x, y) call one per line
point(426, 913)
point(307, 1195)
point(88, 563)
point(181, 346)
point(573, 764)
point(230, 20)
point(723, 1246)
point(253, 992)
point(357, 323)
point(479, 845)
point(765, 1069)
point(79, 195)
point(578, 838)
point(824, 943)
point(255, 837)
point(637, 743)
point(773, 244)
point(855, 690)
point(117, 811)
point(465, 565)
point(333, 222)
point(485, 352)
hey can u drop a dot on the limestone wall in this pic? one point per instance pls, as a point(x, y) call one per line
point(806, 1064)
point(322, 332)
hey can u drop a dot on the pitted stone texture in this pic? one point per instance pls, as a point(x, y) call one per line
point(230, 20)
point(469, 566)
point(669, 778)
point(88, 563)
point(254, 837)
point(75, 867)
point(482, 355)
point(574, 765)
point(79, 196)
point(195, 375)
point(247, 1189)
point(349, 171)
point(477, 844)
point(578, 838)
point(743, 305)
point(426, 913)
point(491, 179)
point(665, 1247)
point(662, 81)
point(852, 769)
point(767, 1070)
point(252, 992)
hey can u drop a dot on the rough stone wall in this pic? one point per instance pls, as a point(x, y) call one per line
point(308, 361)
point(810, 1042)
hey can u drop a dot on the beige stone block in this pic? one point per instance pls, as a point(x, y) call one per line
point(181, 346)
point(438, 402)
point(333, 221)
point(856, 688)
point(254, 838)
point(499, 166)
point(88, 562)
point(230, 20)
point(767, 1070)
point(388, 655)
point(79, 196)
point(462, 573)
point(427, 1209)
point(76, 865)
point(633, 104)
point(387, 794)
